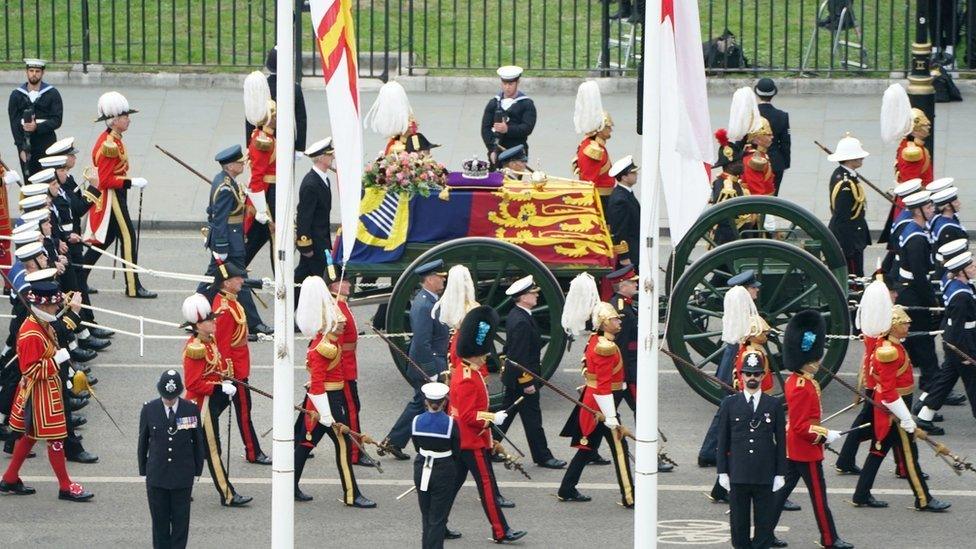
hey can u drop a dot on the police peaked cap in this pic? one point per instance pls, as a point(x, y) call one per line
point(476, 335)
point(805, 339)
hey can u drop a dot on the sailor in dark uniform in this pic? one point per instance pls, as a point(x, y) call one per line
point(438, 444)
point(225, 239)
point(313, 234)
point(898, 218)
point(35, 110)
point(623, 212)
point(509, 117)
point(945, 226)
point(848, 203)
point(170, 455)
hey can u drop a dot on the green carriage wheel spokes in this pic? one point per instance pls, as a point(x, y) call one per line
point(493, 264)
point(694, 324)
point(804, 230)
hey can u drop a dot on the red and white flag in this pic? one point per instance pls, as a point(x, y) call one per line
point(336, 39)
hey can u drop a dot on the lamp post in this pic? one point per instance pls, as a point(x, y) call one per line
point(921, 94)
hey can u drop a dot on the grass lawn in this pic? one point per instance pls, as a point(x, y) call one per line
point(447, 36)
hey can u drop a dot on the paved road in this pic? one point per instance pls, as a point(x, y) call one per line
point(118, 516)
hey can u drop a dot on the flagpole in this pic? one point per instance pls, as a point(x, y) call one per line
point(283, 464)
point(645, 469)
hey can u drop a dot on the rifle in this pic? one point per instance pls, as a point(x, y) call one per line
point(688, 365)
point(863, 179)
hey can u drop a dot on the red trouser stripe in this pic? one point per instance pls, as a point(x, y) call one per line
point(899, 461)
point(243, 397)
point(819, 504)
point(489, 499)
point(353, 418)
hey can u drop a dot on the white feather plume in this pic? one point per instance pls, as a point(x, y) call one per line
point(390, 113)
point(896, 114)
point(588, 116)
point(743, 114)
point(195, 308)
point(257, 95)
point(112, 104)
point(316, 310)
point(581, 298)
point(874, 311)
point(738, 308)
point(457, 298)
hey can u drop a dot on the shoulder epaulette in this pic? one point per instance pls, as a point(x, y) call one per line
point(620, 304)
point(466, 373)
point(263, 143)
point(195, 350)
point(327, 349)
point(605, 347)
point(758, 162)
point(800, 382)
point(593, 150)
point(911, 153)
point(886, 352)
point(110, 148)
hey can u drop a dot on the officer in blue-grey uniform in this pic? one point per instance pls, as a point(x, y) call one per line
point(170, 456)
point(225, 239)
point(428, 348)
point(438, 444)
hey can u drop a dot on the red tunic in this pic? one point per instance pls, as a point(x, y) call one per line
point(468, 398)
point(453, 360)
point(40, 385)
point(231, 334)
point(261, 157)
point(349, 339)
point(604, 373)
point(892, 372)
point(5, 229)
point(906, 169)
point(593, 164)
point(865, 377)
point(112, 164)
point(767, 379)
point(202, 366)
point(757, 175)
point(324, 364)
point(804, 435)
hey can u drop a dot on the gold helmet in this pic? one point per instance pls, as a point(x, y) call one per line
point(602, 313)
point(763, 129)
point(899, 315)
point(920, 120)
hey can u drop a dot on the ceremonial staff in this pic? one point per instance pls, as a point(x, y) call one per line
point(265, 394)
point(841, 411)
point(396, 348)
point(863, 179)
point(557, 390)
point(184, 164)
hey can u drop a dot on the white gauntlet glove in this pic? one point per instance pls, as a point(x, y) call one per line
point(260, 207)
point(321, 403)
point(11, 177)
point(832, 436)
point(228, 388)
point(139, 182)
point(609, 410)
point(62, 355)
point(500, 417)
point(723, 481)
point(779, 481)
point(900, 411)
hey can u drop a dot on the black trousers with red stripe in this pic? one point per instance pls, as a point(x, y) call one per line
point(243, 404)
point(812, 474)
point(351, 391)
point(477, 463)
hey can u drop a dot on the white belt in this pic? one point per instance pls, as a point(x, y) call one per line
point(907, 275)
point(429, 457)
point(968, 325)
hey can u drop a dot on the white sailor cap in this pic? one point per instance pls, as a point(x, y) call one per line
point(320, 147)
point(29, 251)
point(945, 196)
point(32, 203)
point(43, 176)
point(434, 391)
point(34, 63)
point(53, 162)
point(906, 188)
point(959, 262)
point(523, 285)
point(36, 216)
point(917, 200)
point(938, 184)
point(33, 189)
point(62, 146)
point(623, 166)
point(953, 247)
point(509, 73)
point(41, 274)
point(26, 237)
point(24, 227)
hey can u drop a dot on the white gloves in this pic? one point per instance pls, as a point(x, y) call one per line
point(900, 411)
point(778, 482)
point(228, 388)
point(321, 403)
point(267, 283)
point(260, 207)
point(723, 481)
point(609, 410)
point(139, 182)
point(222, 257)
point(11, 177)
point(62, 355)
point(262, 217)
point(500, 417)
point(769, 223)
point(832, 436)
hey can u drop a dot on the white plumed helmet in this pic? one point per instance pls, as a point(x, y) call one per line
point(390, 113)
point(317, 309)
point(458, 297)
point(744, 117)
point(874, 311)
point(589, 115)
point(112, 104)
point(896, 114)
point(196, 309)
point(257, 99)
point(581, 299)
point(738, 308)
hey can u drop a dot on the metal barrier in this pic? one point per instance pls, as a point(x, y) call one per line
point(558, 37)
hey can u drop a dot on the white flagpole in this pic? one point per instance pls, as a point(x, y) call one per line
point(283, 465)
point(645, 470)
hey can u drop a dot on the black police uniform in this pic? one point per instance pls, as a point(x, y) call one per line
point(520, 115)
point(312, 229)
point(48, 112)
point(438, 444)
point(524, 345)
point(847, 222)
point(752, 450)
point(779, 149)
point(915, 290)
point(623, 217)
point(170, 456)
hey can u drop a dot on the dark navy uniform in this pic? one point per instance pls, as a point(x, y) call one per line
point(438, 444)
point(312, 229)
point(170, 455)
point(623, 219)
point(946, 229)
point(915, 289)
point(960, 330)
point(847, 221)
point(779, 149)
point(48, 112)
point(520, 115)
point(627, 341)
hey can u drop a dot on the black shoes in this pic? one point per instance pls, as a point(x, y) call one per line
point(871, 502)
point(365, 461)
point(142, 293)
point(262, 459)
point(664, 467)
point(80, 354)
point(451, 534)
point(575, 497)
point(790, 506)
point(599, 460)
point(504, 503)
point(779, 542)
point(101, 333)
point(511, 535)
point(83, 456)
point(496, 458)
point(75, 404)
point(363, 502)
point(77, 421)
point(552, 463)
point(16, 488)
point(715, 498)
point(929, 427)
point(261, 328)
point(847, 469)
point(705, 462)
point(75, 493)
point(955, 398)
point(840, 544)
point(935, 506)
point(93, 343)
point(391, 449)
point(237, 501)
point(302, 496)
point(925, 476)
point(92, 290)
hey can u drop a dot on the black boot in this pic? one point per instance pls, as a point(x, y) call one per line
point(142, 293)
point(93, 343)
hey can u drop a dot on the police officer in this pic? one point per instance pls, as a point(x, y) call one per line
point(312, 229)
point(509, 116)
point(752, 455)
point(848, 203)
point(437, 441)
point(623, 212)
point(170, 455)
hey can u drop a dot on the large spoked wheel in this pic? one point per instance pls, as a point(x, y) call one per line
point(792, 280)
point(494, 264)
point(794, 224)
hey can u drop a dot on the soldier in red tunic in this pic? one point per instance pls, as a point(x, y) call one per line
point(38, 408)
point(469, 406)
point(9, 178)
point(754, 343)
point(318, 317)
point(757, 172)
point(803, 347)
point(203, 370)
point(909, 127)
point(231, 336)
point(260, 111)
point(592, 161)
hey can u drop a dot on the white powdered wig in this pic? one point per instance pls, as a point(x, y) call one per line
point(581, 298)
point(874, 311)
point(112, 104)
point(588, 116)
point(457, 298)
point(390, 113)
point(743, 114)
point(195, 308)
point(896, 114)
point(257, 96)
point(316, 311)
point(738, 308)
